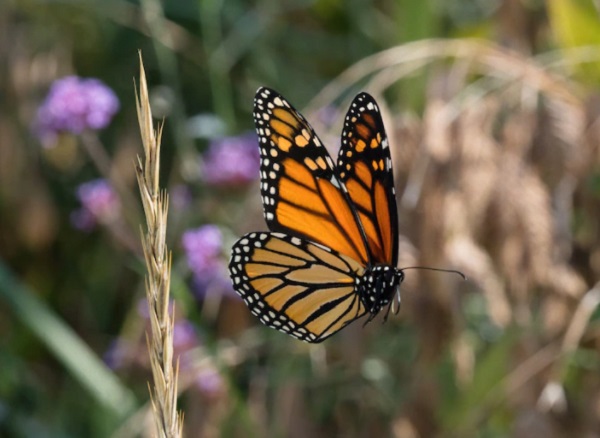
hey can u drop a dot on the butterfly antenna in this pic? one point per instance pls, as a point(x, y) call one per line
point(450, 271)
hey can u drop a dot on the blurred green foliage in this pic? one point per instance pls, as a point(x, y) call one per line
point(66, 295)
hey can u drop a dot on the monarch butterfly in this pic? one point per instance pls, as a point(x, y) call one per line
point(331, 255)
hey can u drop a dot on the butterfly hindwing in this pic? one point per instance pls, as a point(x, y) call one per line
point(296, 286)
point(365, 167)
point(301, 192)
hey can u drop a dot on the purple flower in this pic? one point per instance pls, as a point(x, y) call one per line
point(232, 161)
point(209, 381)
point(185, 340)
point(203, 248)
point(74, 104)
point(99, 204)
point(83, 220)
point(116, 355)
point(204, 252)
point(184, 336)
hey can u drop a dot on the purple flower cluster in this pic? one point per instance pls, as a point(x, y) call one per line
point(203, 248)
point(99, 204)
point(123, 352)
point(74, 105)
point(116, 356)
point(209, 382)
point(232, 161)
point(185, 337)
point(207, 379)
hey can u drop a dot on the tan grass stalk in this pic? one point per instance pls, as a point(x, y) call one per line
point(485, 56)
point(158, 262)
point(553, 395)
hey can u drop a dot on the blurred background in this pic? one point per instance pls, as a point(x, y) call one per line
point(493, 113)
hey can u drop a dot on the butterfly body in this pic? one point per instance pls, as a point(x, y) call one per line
point(330, 256)
point(377, 287)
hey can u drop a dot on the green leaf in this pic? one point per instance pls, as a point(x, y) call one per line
point(576, 23)
point(67, 347)
point(466, 410)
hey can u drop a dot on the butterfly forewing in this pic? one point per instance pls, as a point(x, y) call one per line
point(296, 286)
point(365, 167)
point(301, 192)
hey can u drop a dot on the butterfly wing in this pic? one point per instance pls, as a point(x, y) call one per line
point(296, 286)
point(365, 167)
point(301, 192)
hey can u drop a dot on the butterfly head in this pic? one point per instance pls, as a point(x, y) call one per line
point(378, 286)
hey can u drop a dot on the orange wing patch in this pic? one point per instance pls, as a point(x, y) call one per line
point(365, 167)
point(301, 192)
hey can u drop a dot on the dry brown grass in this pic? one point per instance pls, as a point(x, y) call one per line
point(507, 146)
point(489, 178)
point(158, 263)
